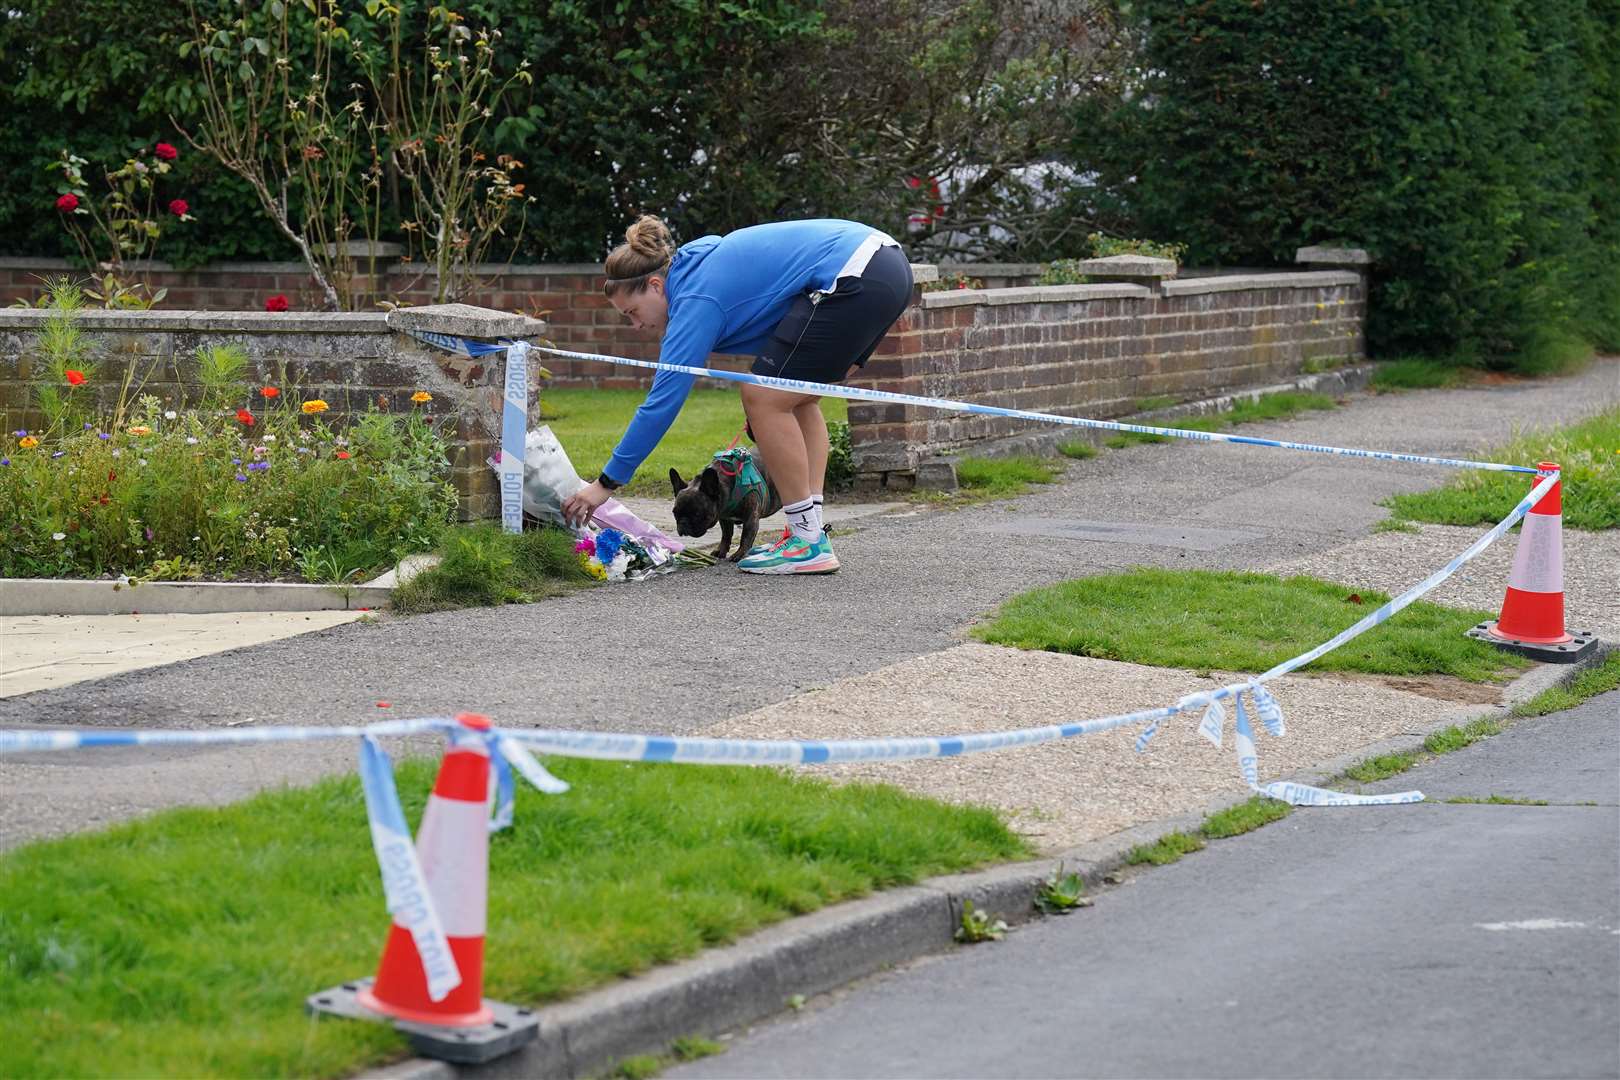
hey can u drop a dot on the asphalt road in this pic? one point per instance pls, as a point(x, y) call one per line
point(1436, 940)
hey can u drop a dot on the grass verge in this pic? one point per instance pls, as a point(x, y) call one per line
point(1207, 620)
point(1496, 800)
point(589, 423)
point(183, 944)
point(1266, 407)
point(482, 565)
point(1000, 478)
point(1236, 820)
point(1417, 373)
point(1594, 680)
point(1589, 453)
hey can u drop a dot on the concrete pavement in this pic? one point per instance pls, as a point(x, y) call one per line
point(1438, 940)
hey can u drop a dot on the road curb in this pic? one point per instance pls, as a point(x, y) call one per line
point(727, 989)
point(63, 596)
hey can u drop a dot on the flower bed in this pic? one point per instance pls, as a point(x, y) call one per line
point(243, 484)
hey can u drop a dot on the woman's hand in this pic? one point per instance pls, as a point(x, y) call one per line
point(579, 507)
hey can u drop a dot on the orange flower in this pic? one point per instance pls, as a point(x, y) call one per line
point(245, 417)
point(74, 378)
point(140, 429)
point(421, 396)
point(313, 406)
point(269, 391)
point(27, 442)
point(343, 455)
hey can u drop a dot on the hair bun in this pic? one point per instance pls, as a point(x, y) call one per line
point(649, 236)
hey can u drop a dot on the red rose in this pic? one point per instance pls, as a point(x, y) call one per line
point(68, 203)
point(245, 416)
point(74, 377)
point(178, 208)
point(277, 302)
point(165, 151)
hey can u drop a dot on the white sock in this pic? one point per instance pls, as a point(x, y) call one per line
point(804, 518)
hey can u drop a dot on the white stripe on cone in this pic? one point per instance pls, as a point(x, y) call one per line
point(1538, 565)
point(456, 863)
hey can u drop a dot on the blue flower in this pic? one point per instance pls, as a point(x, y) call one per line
point(103, 436)
point(258, 466)
point(5, 461)
point(87, 425)
point(608, 543)
point(240, 478)
point(21, 433)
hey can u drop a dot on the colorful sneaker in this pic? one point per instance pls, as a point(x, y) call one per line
point(759, 549)
point(791, 555)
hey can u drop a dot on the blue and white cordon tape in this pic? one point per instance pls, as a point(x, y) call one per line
point(468, 347)
point(408, 898)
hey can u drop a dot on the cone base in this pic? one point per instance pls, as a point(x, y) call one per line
point(509, 1029)
point(482, 1015)
point(1577, 648)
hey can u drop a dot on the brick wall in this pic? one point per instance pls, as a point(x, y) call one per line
point(352, 361)
point(1091, 350)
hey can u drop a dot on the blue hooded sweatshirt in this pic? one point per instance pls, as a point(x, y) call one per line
point(726, 294)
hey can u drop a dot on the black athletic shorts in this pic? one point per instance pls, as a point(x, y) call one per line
point(823, 334)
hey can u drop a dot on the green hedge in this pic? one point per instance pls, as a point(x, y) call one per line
point(1469, 144)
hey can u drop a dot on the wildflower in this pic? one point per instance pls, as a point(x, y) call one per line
point(68, 203)
point(28, 442)
point(87, 425)
point(103, 436)
point(343, 455)
point(140, 429)
point(178, 207)
point(236, 461)
point(303, 450)
point(258, 466)
point(117, 452)
point(269, 438)
point(20, 432)
point(171, 415)
point(58, 536)
point(165, 151)
point(191, 440)
point(421, 396)
point(58, 453)
point(269, 391)
point(277, 302)
point(74, 377)
point(4, 461)
point(260, 451)
point(141, 461)
point(241, 479)
point(314, 406)
point(148, 533)
point(245, 417)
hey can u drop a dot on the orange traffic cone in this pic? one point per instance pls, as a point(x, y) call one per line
point(1532, 619)
point(452, 847)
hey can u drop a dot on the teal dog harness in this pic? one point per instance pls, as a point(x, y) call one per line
point(739, 463)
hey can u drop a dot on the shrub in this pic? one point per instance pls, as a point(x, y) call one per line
point(1491, 215)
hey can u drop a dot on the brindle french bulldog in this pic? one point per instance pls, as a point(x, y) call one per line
point(713, 496)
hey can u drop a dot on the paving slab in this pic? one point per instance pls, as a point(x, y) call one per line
point(42, 652)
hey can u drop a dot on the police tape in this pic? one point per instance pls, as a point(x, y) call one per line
point(468, 347)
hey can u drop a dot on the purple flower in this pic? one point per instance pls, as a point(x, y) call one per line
point(5, 461)
point(236, 461)
point(59, 453)
point(103, 436)
point(258, 466)
point(240, 478)
point(149, 534)
point(21, 433)
point(87, 425)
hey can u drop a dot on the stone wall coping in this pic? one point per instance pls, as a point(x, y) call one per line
point(1332, 256)
point(1236, 282)
point(1129, 266)
point(238, 322)
point(993, 269)
point(1034, 294)
point(923, 273)
point(464, 320)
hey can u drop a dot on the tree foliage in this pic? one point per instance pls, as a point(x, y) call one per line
point(1469, 144)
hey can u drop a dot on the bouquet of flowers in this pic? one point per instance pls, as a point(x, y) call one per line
point(610, 555)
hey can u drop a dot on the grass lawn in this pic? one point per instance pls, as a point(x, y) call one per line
point(185, 943)
point(1588, 451)
point(1418, 373)
point(997, 478)
point(589, 423)
point(1209, 620)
